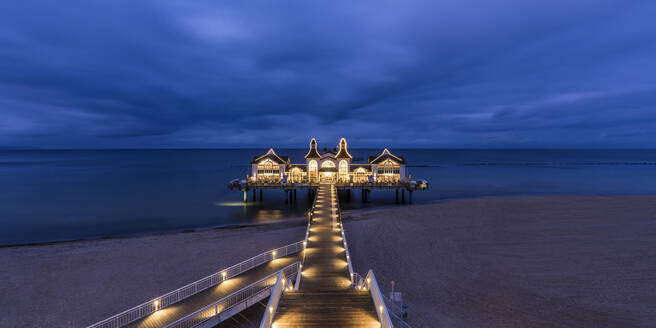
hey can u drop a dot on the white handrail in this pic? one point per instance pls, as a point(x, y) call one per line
point(395, 311)
point(237, 301)
point(379, 302)
point(352, 274)
point(274, 300)
point(333, 213)
point(348, 256)
point(144, 309)
point(310, 212)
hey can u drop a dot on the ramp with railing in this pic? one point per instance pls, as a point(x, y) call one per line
point(316, 287)
point(216, 312)
point(176, 304)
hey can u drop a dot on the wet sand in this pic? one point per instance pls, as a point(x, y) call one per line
point(545, 261)
point(552, 261)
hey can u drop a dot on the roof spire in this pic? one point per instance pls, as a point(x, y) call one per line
point(343, 151)
point(313, 153)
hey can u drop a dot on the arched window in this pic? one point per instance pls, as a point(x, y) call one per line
point(328, 164)
point(295, 175)
point(343, 169)
point(360, 175)
point(312, 168)
point(267, 170)
point(388, 171)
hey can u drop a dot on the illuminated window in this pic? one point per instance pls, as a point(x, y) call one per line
point(312, 168)
point(327, 164)
point(343, 169)
point(267, 168)
point(360, 175)
point(388, 170)
point(295, 175)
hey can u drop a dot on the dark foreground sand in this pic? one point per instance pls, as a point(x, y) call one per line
point(516, 261)
point(76, 284)
point(556, 261)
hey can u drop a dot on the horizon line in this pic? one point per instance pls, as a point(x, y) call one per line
point(295, 148)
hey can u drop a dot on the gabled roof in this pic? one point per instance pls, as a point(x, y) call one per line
point(357, 166)
point(328, 153)
point(384, 156)
point(272, 156)
point(313, 153)
point(343, 152)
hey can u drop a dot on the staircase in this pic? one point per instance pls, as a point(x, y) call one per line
point(326, 309)
point(325, 297)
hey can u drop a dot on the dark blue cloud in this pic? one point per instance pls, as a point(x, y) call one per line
point(407, 74)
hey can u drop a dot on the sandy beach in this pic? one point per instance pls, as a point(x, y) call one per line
point(539, 261)
point(75, 284)
point(552, 261)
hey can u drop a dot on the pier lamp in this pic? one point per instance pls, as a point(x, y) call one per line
point(274, 254)
point(156, 303)
point(223, 274)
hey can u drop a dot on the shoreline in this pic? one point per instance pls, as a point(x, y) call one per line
point(284, 222)
point(528, 259)
point(296, 220)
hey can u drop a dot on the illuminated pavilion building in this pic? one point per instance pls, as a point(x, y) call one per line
point(329, 167)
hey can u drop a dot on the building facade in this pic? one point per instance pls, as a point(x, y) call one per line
point(330, 166)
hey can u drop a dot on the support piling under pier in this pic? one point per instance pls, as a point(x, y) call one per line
point(345, 189)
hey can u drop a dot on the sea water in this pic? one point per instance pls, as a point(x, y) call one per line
point(52, 195)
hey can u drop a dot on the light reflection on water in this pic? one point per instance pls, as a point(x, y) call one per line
point(90, 193)
point(268, 215)
point(233, 204)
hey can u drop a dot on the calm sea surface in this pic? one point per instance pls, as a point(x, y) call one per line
point(62, 195)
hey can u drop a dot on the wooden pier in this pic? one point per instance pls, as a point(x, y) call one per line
point(314, 288)
point(291, 189)
point(326, 297)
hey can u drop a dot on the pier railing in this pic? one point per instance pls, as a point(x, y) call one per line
point(395, 311)
point(310, 213)
point(279, 184)
point(379, 302)
point(274, 300)
point(142, 310)
point(236, 302)
point(352, 274)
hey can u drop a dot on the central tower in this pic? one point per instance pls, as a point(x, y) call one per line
point(344, 159)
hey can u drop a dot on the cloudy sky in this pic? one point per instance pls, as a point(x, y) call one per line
point(466, 73)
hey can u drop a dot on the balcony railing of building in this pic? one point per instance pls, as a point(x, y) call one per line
point(281, 183)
